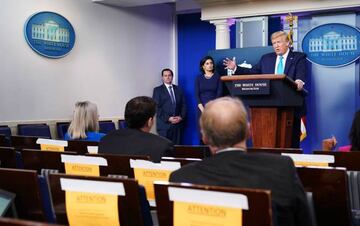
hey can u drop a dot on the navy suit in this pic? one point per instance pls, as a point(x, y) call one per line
point(166, 109)
point(295, 68)
point(237, 168)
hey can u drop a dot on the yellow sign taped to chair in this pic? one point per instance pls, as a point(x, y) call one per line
point(146, 172)
point(202, 207)
point(52, 145)
point(311, 159)
point(92, 202)
point(83, 165)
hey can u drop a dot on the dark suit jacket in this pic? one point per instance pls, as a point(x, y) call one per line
point(136, 142)
point(262, 171)
point(165, 108)
point(295, 66)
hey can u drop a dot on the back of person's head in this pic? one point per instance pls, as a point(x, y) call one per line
point(279, 34)
point(138, 111)
point(354, 134)
point(85, 119)
point(202, 62)
point(224, 122)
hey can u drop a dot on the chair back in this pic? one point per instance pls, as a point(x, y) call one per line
point(61, 128)
point(122, 124)
point(183, 161)
point(129, 205)
point(330, 191)
point(349, 160)
point(21, 142)
point(106, 126)
point(274, 150)
point(259, 202)
point(25, 184)
point(80, 146)
point(17, 222)
point(5, 130)
point(7, 157)
point(118, 164)
point(192, 151)
point(38, 130)
point(37, 160)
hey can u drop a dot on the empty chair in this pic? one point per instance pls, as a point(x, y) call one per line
point(275, 150)
point(118, 164)
point(25, 185)
point(122, 124)
point(5, 130)
point(38, 160)
point(80, 146)
point(38, 130)
point(61, 128)
point(3, 142)
point(350, 160)
point(7, 157)
point(106, 126)
point(21, 142)
point(330, 191)
point(259, 202)
point(191, 151)
point(130, 209)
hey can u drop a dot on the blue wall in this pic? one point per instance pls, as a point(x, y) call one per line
point(195, 39)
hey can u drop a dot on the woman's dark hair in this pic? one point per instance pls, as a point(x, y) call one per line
point(202, 62)
point(354, 134)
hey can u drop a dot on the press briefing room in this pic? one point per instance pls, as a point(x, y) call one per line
point(180, 113)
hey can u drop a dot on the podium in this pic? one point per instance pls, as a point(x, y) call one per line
point(272, 100)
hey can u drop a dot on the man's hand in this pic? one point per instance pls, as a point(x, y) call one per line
point(229, 64)
point(300, 84)
point(175, 119)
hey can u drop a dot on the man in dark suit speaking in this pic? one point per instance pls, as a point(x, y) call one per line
point(224, 128)
point(171, 108)
point(281, 61)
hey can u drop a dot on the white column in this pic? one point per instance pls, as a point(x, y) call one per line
point(222, 32)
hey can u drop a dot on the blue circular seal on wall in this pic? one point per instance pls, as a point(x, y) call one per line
point(49, 34)
point(332, 45)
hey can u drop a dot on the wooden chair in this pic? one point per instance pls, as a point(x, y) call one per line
point(274, 150)
point(118, 164)
point(259, 212)
point(349, 160)
point(38, 160)
point(80, 146)
point(21, 142)
point(25, 184)
point(183, 161)
point(330, 192)
point(3, 140)
point(190, 151)
point(16, 222)
point(130, 209)
point(7, 157)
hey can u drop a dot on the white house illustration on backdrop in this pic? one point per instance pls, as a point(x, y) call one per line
point(333, 42)
point(50, 31)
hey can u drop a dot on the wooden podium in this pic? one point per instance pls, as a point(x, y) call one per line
point(272, 100)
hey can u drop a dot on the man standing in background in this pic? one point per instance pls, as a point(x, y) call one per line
point(171, 108)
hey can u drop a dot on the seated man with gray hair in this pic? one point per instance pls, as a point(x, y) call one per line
point(224, 127)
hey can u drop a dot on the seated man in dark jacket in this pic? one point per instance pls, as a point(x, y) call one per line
point(224, 128)
point(137, 139)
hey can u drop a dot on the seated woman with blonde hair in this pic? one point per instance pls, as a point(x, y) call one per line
point(85, 123)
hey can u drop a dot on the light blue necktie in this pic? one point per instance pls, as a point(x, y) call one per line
point(280, 66)
point(172, 95)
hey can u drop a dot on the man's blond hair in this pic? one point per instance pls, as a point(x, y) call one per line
point(279, 34)
point(224, 122)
